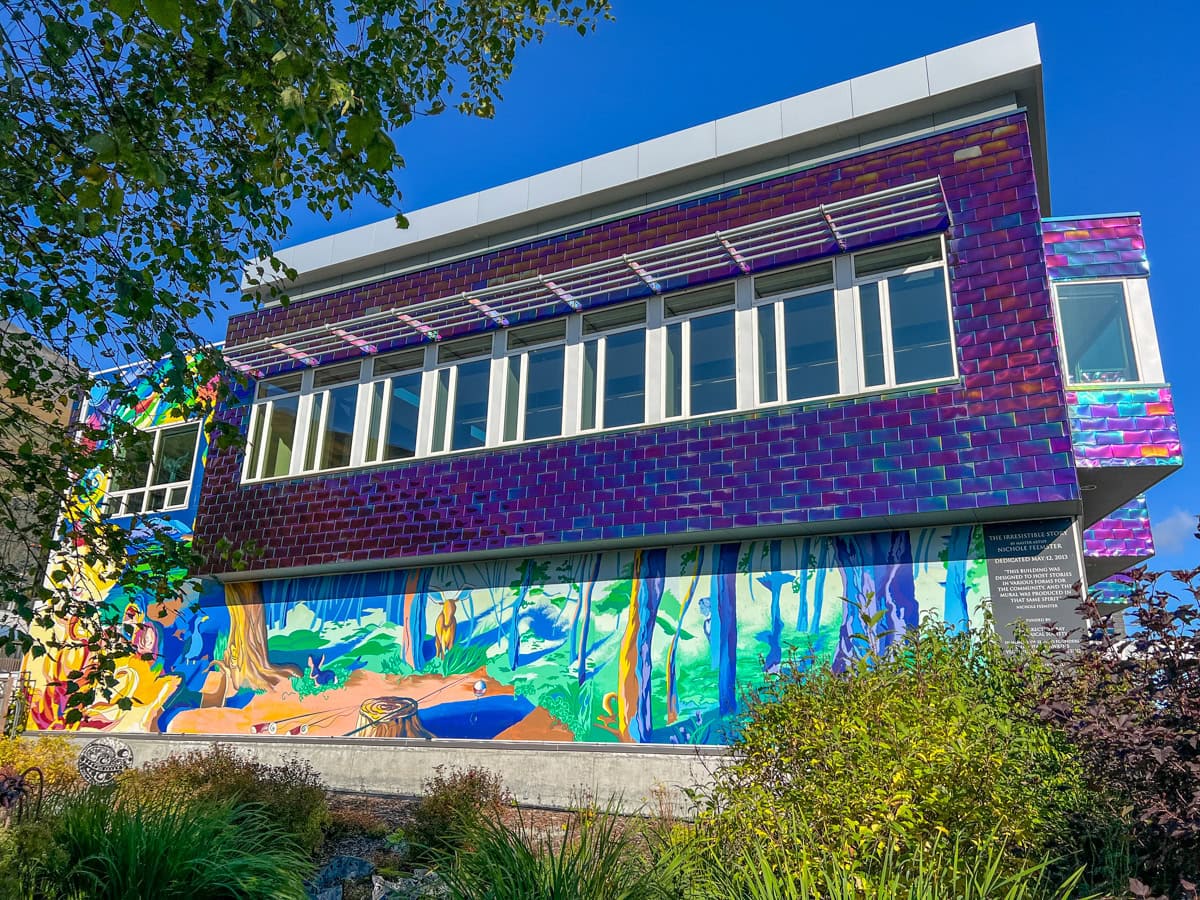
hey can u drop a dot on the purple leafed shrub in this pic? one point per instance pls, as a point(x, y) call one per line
point(1131, 705)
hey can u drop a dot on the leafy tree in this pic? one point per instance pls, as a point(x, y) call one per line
point(148, 148)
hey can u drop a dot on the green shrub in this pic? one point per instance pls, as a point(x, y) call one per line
point(56, 756)
point(594, 859)
point(927, 742)
point(25, 850)
point(107, 848)
point(453, 800)
point(291, 793)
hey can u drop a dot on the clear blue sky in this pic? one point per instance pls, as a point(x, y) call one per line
point(1122, 83)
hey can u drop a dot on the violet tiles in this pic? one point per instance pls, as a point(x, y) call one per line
point(1125, 532)
point(1095, 247)
point(999, 437)
point(1124, 427)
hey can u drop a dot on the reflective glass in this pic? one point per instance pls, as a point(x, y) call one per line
point(469, 425)
point(587, 412)
point(768, 365)
point(544, 393)
point(921, 344)
point(872, 334)
point(810, 348)
point(1095, 326)
point(674, 373)
point(339, 427)
point(403, 410)
point(280, 437)
point(713, 370)
point(625, 378)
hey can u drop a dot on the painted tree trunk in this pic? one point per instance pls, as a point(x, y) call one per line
point(774, 581)
point(851, 553)
point(956, 613)
point(585, 617)
point(415, 593)
point(673, 649)
point(636, 660)
point(802, 568)
point(823, 563)
point(895, 586)
point(723, 630)
point(245, 663)
point(514, 621)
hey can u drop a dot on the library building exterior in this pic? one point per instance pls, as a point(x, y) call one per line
point(572, 463)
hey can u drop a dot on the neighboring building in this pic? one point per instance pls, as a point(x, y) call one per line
point(580, 457)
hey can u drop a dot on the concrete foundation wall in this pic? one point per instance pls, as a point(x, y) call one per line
point(550, 775)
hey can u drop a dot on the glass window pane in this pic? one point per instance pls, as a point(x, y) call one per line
point(678, 304)
point(810, 350)
point(1095, 325)
point(440, 411)
point(314, 432)
point(539, 333)
point(135, 458)
point(133, 503)
point(793, 279)
point(625, 378)
point(339, 427)
point(872, 334)
point(469, 428)
point(616, 317)
point(277, 387)
point(674, 373)
point(176, 450)
point(403, 412)
point(768, 366)
point(587, 413)
point(338, 374)
point(901, 257)
point(374, 423)
point(512, 397)
point(466, 348)
point(256, 447)
point(713, 372)
point(544, 393)
point(920, 326)
point(177, 496)
point(403, 361)
point(280, 437)
point(156, 500)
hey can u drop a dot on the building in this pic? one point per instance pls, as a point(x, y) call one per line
point(580, 457)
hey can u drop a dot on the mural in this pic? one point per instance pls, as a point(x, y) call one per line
point(645, 645)
point(145, 682)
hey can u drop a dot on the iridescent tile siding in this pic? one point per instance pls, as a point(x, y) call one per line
point(998, 438)
point(1099, 247)
point(1125, 532)
point(1124, 427)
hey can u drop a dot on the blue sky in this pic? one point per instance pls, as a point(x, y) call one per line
point(1121, 82)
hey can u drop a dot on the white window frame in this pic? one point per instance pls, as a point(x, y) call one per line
point(885, 315)
point(743, 307)
point(119, 497)
point(522, 388)
point(684, 320)
point(776, 301)
point(1142, 333)
point(600, 339)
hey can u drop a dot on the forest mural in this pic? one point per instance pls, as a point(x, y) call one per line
point(638, 645)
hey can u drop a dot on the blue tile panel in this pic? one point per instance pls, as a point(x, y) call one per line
point(1099, 247)
point(1124, 532)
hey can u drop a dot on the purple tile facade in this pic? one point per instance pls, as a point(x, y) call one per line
point(996, 439)
point(1097, 247)
point(1124, 532)
point(1124, 427)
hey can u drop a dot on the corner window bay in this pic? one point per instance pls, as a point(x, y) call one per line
point(840, 327)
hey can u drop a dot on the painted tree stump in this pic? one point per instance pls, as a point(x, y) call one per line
point(391, 717)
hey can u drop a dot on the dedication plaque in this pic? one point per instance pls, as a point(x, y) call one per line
point(1034, 571)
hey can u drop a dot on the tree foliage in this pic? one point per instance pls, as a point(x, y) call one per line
point(148, 149)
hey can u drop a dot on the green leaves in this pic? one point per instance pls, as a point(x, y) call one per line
point(165, 14)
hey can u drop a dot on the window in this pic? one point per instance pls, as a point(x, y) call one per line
point(903, 302)
point(461, 396)
point(701, 365)
point(857, 323)
point(395, 407)
point(534, 381)
point(273, 427)
point(1097, 337)
point(158, 473)
point(796, 340)
point(614, 368)
point(334, 402)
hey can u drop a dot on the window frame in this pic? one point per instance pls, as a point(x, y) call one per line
point(259, 426)
point(148, 487)
point(522, 385)
point(452, 366)
point(684, 320)
point(1130, 320)
point(364, 419)
point(777, 301)
point(881, 278)
point(600, 339)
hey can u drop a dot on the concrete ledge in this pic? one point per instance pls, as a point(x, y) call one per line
point(552, 775)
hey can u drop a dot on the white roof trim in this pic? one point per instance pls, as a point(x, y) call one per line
point(1008, 61)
